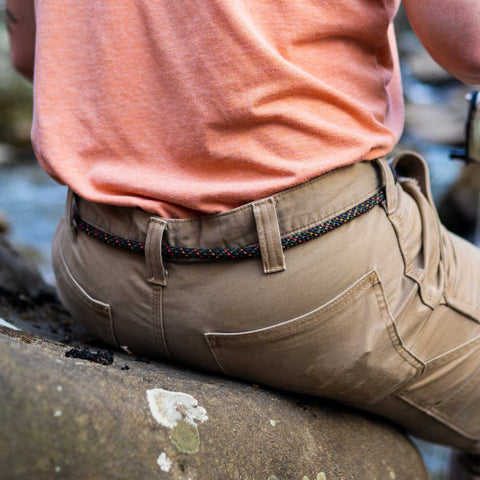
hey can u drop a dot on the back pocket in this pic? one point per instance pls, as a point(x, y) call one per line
point(95, 315)
point(347, 349)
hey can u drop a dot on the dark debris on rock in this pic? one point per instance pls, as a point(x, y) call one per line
point(104, 358)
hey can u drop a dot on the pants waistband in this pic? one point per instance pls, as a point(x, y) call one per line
point(267, 223)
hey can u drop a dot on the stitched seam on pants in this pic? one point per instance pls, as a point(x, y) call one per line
point(415, 274)
point(217, 355)
point(453, 354)
point(103, 308)
point(262, 236)
point(219, 344)
point(397, 224)
point(438, 417)
point(279, 331)
point(268, 236)
point(162, 323)
point(112, 327)
point(271, 236)
point(392, 331)
point(222, 361)
point(158, 330)
point(274, 246)
point(452, 299)
point(155, 307)
point(79, 291)
point(467, 385)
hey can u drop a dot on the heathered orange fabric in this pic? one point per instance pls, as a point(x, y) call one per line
point(191, 107)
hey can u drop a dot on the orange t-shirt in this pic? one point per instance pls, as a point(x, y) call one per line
point(192, 107)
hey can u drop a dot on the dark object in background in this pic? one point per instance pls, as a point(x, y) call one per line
point(471, 153)
point(460, 209)
point(19, 277)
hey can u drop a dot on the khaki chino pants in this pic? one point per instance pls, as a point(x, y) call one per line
point(382, 313)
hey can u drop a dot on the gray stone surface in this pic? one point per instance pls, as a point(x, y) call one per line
point(79, 419)
point(19, 276)
point(69, 418)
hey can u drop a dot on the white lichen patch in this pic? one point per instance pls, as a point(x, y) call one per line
point(272, 422)
point(57, 413)
point(59, 388)
point(168, 408)
point(58, 469)
point(4, 323)
point(321, 476)
point(164, 462)
point(392, 474)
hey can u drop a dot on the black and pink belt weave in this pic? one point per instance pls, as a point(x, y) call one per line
point(169, 251)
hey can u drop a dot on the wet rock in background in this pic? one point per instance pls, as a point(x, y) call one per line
point(4, 224)
point(75, 419)
point(30, 304)
point(18, 276)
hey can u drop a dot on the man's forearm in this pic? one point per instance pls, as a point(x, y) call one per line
point(20, 17)
point(450, 31)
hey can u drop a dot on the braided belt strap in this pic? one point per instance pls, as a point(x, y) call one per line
point(169, 251)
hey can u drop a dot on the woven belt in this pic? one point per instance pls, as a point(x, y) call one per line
point(169, 251)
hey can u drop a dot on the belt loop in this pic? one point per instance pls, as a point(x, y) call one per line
point(390, 187)
point(412, 165)
point(69, 208)
point(156, 272)
point(269, 236)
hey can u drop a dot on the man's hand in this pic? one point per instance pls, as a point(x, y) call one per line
point(450, 31)
point(20, 17)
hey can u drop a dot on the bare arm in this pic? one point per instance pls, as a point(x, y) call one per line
point(450, 31)
point(20, 16)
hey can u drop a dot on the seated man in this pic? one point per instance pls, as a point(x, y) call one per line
point(230, 205)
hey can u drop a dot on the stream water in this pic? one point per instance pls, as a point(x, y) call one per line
point(32, 204)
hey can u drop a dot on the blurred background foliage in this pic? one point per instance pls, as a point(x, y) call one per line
point(15, 102)
point(31, 203)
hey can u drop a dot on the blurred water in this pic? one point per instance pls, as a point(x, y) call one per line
point(32, 204)
point(436, 457)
